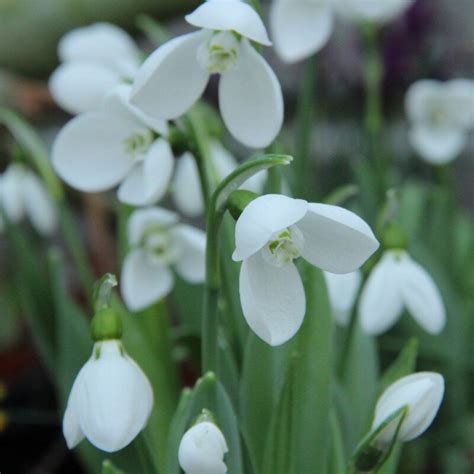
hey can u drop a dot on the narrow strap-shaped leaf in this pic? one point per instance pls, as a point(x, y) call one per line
point(263, 373)
point(298, 441)
point(109, 468)
point(26, 136)
point(313, 377)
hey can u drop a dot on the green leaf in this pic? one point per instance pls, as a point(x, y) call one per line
point(341, 194)
point(337, 460)
point(208, 394)
point(368, 456)
point(153, 29)
point(359, 383)
point(298, 441)
point(109, 468)
point(263, 374)
point(403, 365)
point(73, 342)
point(26, 136)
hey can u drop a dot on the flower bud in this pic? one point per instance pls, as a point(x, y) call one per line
point(202, 450)
point(422, 393)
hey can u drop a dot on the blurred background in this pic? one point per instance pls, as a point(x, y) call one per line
point(434, 39)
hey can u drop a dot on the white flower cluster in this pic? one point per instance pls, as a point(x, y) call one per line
point(121, 138)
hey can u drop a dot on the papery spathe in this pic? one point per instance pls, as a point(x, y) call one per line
point(158, 244)
point(396, 282)
point(271, 232)
point(250, 96)
point(202, 450)
point(110, 401)
point(94, 59)
point(422, 393)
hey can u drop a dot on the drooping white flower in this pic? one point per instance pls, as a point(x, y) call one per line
point(186, 188)
point(94, 59)
point(376, 11)
point(250, 99)
point(110, 401)
point(397, 282)
point(271, 232)
point(202, 450)
point(158, 243)
point(440, 114)
point(115, 145)
point(422, 392)
point(22, 195)
point(342, 292)
point(300, 28)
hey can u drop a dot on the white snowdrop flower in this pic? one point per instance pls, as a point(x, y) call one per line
point(116, 145)
point(186, 191)
point(158, 243)
point(342, 292)
point(94, 59)
point(202, 450)
point(440, 114)
point(397, 282)
point(376, 11)
point(422, 393)
point(176, 74)
point(110, 401)
point(23, 195)
point(300, 28)
point(271, 232)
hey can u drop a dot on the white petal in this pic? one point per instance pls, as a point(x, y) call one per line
point(273, 299)
point(89, 153)
point(420, 96)
point(114, 398)
point(437, 146)
point(119, 99)
point(192, 247)
point(162, 87)
point(101, 42)
point(250, 99)
point(460, 93)
point(336, 239)
point(143, 280)
point(342, 290)
point(222, 160)
point(80, 86)
point(39, 205)
point(71, 430)
point(202, 449)
point(422, 392)
point(421, 296)
point(300, 28)
point(374, 10)
point(187, 194)
point(261, 219)
point(142, 220)
point(381, 301)
point(11, 192)
point(233, 15)
point(149, 181)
